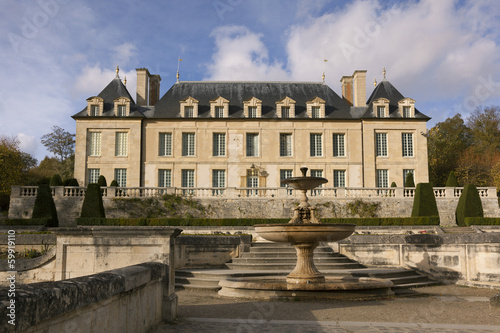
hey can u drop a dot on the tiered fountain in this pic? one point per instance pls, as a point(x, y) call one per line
point(304, 232)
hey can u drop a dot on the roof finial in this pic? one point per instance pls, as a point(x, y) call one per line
point(383, 72)
point(323, 76)
point(117, 70)
point(178, 65)
point(125, 81)
point(375, 82)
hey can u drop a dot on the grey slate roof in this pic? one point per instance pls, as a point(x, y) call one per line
point(238, 92)
point(386, 90)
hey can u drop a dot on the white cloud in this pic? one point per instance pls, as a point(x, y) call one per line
point(27, 143)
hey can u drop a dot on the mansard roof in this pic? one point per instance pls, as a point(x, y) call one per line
point(386, 90)
point(239, 92)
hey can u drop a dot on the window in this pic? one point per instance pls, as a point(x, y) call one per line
point(94, 175)
point(219, 112)
point(121, 177)
point(252, 112)
point(285, 144)
point(121, 143)
point(316, 145)
point(121, 111)
point(405, 174)
point(382, 178)
point(164, 178)
point(219, 181)
point(315, 112)
point(284, 174)
point(252, 144)
point(380, 111)
point(381, 144)
point(338, 178)
point(188, 144)
point(406, 107)
point(187, 180)
point(285, 112)
point(188, 112)
point(165, 144)
point(285, 108)
point(95, 143)
point(316, 173)
point(94, 110)
point(252, 182)
point(406, 111)
point(338, 145)
point(407, 140)
point(219, 144)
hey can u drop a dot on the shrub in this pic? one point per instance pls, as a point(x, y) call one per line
point(36, 221)
point(393, 184)
point(113, 183)
point(409, 182)
point(92, 203)
point(424, 203)
point(56, 180)
point(71, 182)
point(45, 206)
point(102, 181)
point(452, 180)
point(482, 221)
point(469, 205)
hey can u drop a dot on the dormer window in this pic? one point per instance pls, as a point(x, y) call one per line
point(381, 107)
point(252, 108)
point(285, 108)
point(316, 108)
point(219, 108)
point(122, 106)
point(189, 108)
point(95, 106)
point(407, 108)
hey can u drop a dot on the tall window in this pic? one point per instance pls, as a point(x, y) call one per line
point(380, 111)
point(94, 175)
point(122, 109)
point(381, 143)
point(219, 112)
point(382, 178)
point(121, 144)
point(405, 174)
point(284, 174)
point(188, 112)
point(219, 181)
point(285, 144)
point(252, 144)
point(316, 173)
point(164, 178)
point(285, 112)
point(252, 112)
point(406, 111)
point(338, 145)
point(188, 144)
point(338, 178)
point(121, 177)
point(407, 139)
point(316, 145)
point(252, 182)
point(219, 144)
point(95, 143)
point(315, 112)
point(165, 144)
point(94, 110)
point(187, 180)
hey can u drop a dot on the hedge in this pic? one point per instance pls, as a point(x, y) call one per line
point(424, 202)
point(35, 221)
point(469, 205)
point(45, 207)
point(376, 221)
point(92, 206)
point(482, 221)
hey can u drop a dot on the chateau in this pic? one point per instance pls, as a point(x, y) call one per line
point(249, 135)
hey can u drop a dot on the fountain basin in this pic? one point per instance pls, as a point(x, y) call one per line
point(304, 183)
point(304, 232)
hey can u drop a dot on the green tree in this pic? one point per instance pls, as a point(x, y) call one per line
point(60, 143)
point(424, 202)
point(14, 165)
point(45, 206)
point(92, 203)
point(469, 205)
point(409, 182)
point(445, 143)
point(484, 125)
point(452, 180)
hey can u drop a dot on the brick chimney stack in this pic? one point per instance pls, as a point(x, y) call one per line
point(154, 89)
point(347, 88)
point(148, 87)
point(359, 85)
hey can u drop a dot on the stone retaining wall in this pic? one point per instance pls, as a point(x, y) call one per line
point(130, 299)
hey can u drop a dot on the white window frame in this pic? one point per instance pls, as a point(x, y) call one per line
point(285, 174)
point(218, 181)
point(339, 179)
point(252, 182)
point(252, 144)
point(407, 144)
point(316, 173)
point(165, 178)
point(252, 112)
point(188, 144)
point(165, 144)
point(316, 144)
point(121, 144)
point(338, 144)
point(382, 178)
point(219, 112)
point(219, 144)
point(95, 143)
point(121, 177)
point(381, 144)
point(187, 180)
point(286, 147)
point(94, 175)
point(405, 173)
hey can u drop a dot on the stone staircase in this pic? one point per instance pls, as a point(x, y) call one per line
point(279, 259)
point(458, 230)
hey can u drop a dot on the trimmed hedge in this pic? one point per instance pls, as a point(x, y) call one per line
point(92, 203)
point(56, 180)
point(35, 221)
point(45, 206)
point(102, 181)
point(409, 182)
point(376, 221)
point(452, 180)
point(424, 203)
point(481, 221)
point(469, 205)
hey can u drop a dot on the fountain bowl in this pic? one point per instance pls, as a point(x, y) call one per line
point(304, 183)
point(304, 232)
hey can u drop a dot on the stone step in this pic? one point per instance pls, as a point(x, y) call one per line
point(289, 249)
point(290, 267)
point(415, 285)
point(289, 255)
point(410, 279)
point(213, 282)
point(458, 230)
point(288, 260)
point(180, 286)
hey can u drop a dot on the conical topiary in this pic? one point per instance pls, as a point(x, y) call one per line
point(452, 180)
point(469, 205)
point(45, 206)
point(114, 183)
point(92, 203)
point(409, 182)
point(424, 202)
point(393, 184)
point(56, 180)
point(102, 181)
point(72, 182)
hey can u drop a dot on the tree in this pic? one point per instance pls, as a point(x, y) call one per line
point(45, 206)
point(474, 168)
point(92, 203)
point(424, 202)
point(409, 180)
point(484, 124)
point(446, 141)
point(14, 164)
point(60, 143)
point(452, 180)
point(469, 205)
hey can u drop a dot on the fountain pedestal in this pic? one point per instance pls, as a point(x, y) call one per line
point(305, 271)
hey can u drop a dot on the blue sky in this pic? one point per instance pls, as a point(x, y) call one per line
point(56, 53)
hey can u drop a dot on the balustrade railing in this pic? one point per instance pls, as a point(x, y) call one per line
point(250, 192)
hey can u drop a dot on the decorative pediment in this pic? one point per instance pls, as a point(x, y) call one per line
point(122, 106)
point(189, 107)
point(255, 103)
point(219, 108)
point(95, 106)
point(316, 108)
point(406, 107)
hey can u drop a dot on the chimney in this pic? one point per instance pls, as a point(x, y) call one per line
point(347, 88)
point(154, 88)
point(359, 84)
point(142, 86)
